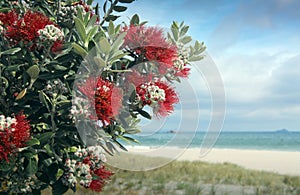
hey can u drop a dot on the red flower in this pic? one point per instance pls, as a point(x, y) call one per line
point(14, 132)
point(96, 185)
point(162, 55)
point(85, 6)
point(57, 47)
point(89, 88)
point(158, 95)
point(102, 173)
point(167, 106)
point(149, 43)
point(137, 79)
point(184, 73)
point(25, 28)
point(9, 18)
point(141, 36)
point(106, 98)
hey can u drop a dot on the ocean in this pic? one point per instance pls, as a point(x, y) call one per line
point(280, 141)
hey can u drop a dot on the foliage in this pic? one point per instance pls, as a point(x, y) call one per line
point(65, 66)
point(186, 177)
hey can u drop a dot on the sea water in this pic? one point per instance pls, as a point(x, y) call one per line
point(283, 141)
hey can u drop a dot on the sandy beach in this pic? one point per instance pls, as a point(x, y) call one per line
point(282, 162)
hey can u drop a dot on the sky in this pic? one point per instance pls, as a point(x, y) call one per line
point(255, 46)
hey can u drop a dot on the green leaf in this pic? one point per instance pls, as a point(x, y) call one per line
point(86, 18)
point(135, 20)
point(89, 2)
point(104, 46)
point(90, 35)
point(43, 99)
point(100, 62)
point(45, 137)
point(59, 67)
point(47, 162)
point(110, 147)
point(126, 1)
point(79, 50)
point(145, 114)
point(117, 57)
point(79, 14)
point(111, 28)
point(175, 33)
point(48, 149)
point(184, 30)
point(119, 8)
point(4, 82)
point(80, 29)
point(6, 9)
point(32, 166)
point(58, 188)
point(32, 142)
point(118, 42)
point(10, 51)
point(186, 39)
point(111, 18)
point(64, 52)
point(120, 145)
point(195, 58)
point(91, 22)
point(132, 96)
point(131, 139)
point(33, 72)
point(133, 131)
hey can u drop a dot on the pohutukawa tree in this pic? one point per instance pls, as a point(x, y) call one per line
point(73, 83)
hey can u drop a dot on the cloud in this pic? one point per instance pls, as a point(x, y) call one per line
point(256, 18)
point(255, 46)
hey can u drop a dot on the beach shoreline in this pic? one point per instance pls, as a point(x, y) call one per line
point(281, 162)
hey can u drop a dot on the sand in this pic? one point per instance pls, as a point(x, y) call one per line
point(282, 162)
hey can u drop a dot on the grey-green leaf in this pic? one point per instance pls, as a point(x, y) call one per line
point(33, 72)
point(79, 50)
point(80, 29)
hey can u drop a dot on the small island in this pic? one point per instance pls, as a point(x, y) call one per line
point(172, 131)
point(282, 131)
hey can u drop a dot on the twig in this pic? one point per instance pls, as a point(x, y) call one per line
point(110, 10)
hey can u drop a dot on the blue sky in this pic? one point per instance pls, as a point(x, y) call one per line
point(256, 48)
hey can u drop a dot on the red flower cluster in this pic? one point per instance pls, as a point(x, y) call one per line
point(85, 7)
point(158, 95)
point(14, 132)
point(106, 98)
point(103, 174)
point(150, 44)
point(184, 73)
point(25, 28)
point(88, 168)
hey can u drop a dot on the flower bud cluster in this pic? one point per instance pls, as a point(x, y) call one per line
point(25, 187)
point(67, 13)
point(55, 87)
point(182, 57)
point(50, 33)
point(1, 28)
point(80, 109)
point(82, 167)
point(151, 93)
point(6, 122)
